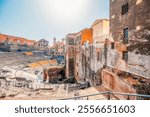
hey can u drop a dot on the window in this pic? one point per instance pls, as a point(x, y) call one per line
point(98, 56)
point(125, 56)
point(112, 45)
point(125, 35)
point(125, 8)
point(125, 32)
point(71, 41)
point(77, 74)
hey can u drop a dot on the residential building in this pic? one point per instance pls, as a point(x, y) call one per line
point(70, 54)
point(120, 62)
point(51, 51)
point(77, 65)
point(12, 43)
point(43, 45)
point(86, 36)
point(128, 57)
point(57, 51)
point(130, 20)
point(88, 57)
point(82, 38)
point(100, 30)
point(59, 47)
point(131, 34)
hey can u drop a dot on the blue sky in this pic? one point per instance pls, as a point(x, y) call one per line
point(36, 19)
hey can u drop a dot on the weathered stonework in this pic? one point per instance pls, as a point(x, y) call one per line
point(136, 64)
point(91, 62)
point(70, 55)
point(137, 20)
point(95, 60)
point(102, 63)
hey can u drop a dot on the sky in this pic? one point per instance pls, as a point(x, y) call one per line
point(38, 19)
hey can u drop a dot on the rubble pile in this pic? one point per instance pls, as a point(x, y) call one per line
point(17, 64)
point(20, 79)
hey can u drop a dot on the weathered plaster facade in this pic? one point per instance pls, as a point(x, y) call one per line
point(101, 66)
point(120, 61)
point(136, 20)
point(100, 30)
point(70, 55)
point(136, 64)
point(90, 61)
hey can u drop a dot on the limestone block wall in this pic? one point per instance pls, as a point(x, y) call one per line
point(137, 64)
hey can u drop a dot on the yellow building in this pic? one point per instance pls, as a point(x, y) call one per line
point(100, 30)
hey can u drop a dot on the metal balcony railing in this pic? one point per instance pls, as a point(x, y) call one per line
point(109, 95)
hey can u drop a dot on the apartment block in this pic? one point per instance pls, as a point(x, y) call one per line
point(100, 30)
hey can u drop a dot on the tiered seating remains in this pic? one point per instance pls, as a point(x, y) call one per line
point(11, 59)
point(34, 65)
point(28, 53)
point(43, 63)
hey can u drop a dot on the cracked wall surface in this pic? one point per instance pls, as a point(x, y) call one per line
point(137, 20)
point(89, 61)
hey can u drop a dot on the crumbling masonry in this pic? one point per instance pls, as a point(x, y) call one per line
point(121, 65)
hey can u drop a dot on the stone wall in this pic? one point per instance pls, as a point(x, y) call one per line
point(89, 62)
point(93, 59)
point(137, 64)
point(113, 83)
point(70, 60)
point(137, 20)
